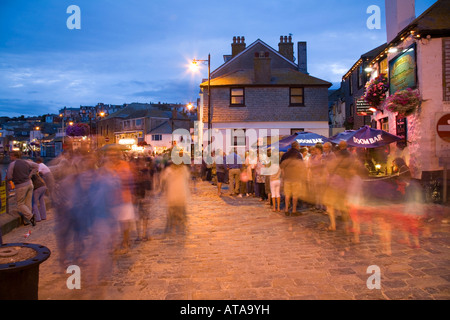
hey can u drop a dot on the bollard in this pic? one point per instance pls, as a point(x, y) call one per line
point(19, 270)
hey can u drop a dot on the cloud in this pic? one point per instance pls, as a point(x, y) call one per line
point(18, 107)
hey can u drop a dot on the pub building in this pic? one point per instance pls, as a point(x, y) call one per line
point(417, 57)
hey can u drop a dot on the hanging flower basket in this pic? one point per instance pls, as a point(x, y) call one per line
point(376, 89)
point(405, 102)
point(78, 130)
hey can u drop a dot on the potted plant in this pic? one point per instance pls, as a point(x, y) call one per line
point(376, 89)
point(404, 102)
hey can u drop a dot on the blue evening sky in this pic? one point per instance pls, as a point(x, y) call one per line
point(138, 51)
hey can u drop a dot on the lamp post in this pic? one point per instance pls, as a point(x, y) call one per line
point(38, 134)
point(194, 62)
point(63, 133)
point(101, 114)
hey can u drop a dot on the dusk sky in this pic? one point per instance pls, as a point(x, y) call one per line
point(139, 51)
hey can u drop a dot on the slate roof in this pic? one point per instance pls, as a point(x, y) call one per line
point(434, 21)
point(143, 111)
point(239, 70)
point(282, 76)
point(164, 128)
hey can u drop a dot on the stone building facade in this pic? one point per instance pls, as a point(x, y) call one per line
point(425, 41)
point(261, 88)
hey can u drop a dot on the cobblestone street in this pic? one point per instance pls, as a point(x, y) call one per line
point(239, 249)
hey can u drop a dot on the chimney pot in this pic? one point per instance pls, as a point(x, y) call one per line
point(237, 46)
point(285, 48)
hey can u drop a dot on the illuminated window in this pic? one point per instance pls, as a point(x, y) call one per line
point(296, 96)
point(237, 97)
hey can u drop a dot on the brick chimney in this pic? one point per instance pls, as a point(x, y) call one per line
point(399, 14)
point(301, 53)
point(237, 46)
point(262, 67)
point(286, 47)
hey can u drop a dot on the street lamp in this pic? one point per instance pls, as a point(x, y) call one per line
point(63, 133)
point(195, 63)
point(101, 114)
point(37, 129)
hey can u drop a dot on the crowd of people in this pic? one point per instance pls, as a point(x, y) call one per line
point(99, 198)
point(99, 201)
point(327, 179)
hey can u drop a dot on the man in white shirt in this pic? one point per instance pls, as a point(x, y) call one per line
point(47, 175)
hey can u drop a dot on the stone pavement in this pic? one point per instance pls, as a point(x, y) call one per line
point(238, 249)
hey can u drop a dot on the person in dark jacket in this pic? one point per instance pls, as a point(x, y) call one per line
point(20, 172)
point(293, 152)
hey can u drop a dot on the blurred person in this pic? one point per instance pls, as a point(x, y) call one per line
point(293, 152)
point(317, 177)
point(243, 180)
point(142, 186)
point(307, 190)
point(267, 188)
point(362, 209)
point(306, 153)
point(293, 169)
point(19, 172)
point(234, 165)
point(103, 228)
point(275, 188)
point(39, 190)
point(339, 171)
point(408, 219)
point(73, 211)
point(250, 164)
point(122, 197)
point(328, 153)
point(47, 175)
point(175, 182)
point(221, 170)
point(260, 179)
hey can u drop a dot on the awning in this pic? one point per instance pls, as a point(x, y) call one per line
point(365, 137)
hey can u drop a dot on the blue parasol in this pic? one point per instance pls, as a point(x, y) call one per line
point(365, 137)
point(341, 136)
point(303, 138)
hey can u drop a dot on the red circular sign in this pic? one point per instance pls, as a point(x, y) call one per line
point(106, 139)
point(443, 127)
